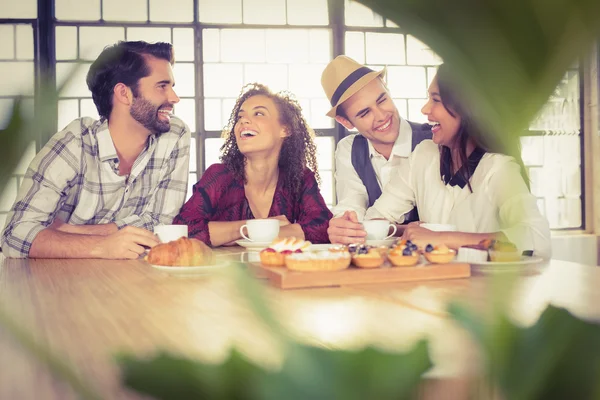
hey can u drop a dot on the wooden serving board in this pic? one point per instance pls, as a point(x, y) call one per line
point(283, 278)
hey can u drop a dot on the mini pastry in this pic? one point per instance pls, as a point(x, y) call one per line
point(366, 256)
point(440, 254)
point(181, 252)
point(321, 261)
point(404, 254)
point(504, 252)
point(275, 254)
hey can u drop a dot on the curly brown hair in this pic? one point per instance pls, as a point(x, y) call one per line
point(298, 150)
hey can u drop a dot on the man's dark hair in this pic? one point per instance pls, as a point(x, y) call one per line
point(124, 63)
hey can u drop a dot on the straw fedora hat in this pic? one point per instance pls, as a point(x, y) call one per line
point(342, 78)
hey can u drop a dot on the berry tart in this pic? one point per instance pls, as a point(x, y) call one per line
point(275, 254)
point(365, 256)
point(404, 254)
point(439, 254)
point(321, 261)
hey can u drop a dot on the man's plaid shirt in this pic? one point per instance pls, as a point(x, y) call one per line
point(75, 178)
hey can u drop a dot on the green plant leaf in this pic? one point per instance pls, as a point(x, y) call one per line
point(507, 55)
point(307, 373)
point(558, 357)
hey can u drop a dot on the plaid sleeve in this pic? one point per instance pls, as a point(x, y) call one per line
point(166, 201)
point(51, 174)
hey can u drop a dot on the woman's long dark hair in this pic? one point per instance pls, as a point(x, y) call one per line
point(490, 142)
point(298, 150)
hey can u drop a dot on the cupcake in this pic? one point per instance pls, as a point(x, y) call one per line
point(439, 254)
point(275, 254)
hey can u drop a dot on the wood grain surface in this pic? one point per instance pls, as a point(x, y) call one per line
point(89, 310)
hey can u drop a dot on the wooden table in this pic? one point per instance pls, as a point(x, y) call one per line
point(88, 310)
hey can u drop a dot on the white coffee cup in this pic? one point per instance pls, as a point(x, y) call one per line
point(260, 230)
point(168, 233)
point(439, 227)
point(377, 229)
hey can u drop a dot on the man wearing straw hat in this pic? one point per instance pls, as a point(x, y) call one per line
point(364, 162)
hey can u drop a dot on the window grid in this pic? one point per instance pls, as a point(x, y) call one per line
point(338, 30)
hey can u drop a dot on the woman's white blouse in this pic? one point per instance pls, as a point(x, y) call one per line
point(500, 202)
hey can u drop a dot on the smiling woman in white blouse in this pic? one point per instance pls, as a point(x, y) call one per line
point(462, 178)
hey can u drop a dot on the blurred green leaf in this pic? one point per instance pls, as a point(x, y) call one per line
point(558, 357)
point(307, 373)
point(508, 55)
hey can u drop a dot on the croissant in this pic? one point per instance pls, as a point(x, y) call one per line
point(181, 252)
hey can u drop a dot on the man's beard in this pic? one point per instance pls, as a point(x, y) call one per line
point(146, 113)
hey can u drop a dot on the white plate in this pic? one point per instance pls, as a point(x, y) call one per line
point(252, 245)
point(384, 242)
point(526, 263)
point(191, 270)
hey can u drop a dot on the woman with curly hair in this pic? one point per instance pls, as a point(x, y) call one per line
point(268, 170)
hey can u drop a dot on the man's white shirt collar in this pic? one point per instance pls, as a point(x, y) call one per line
point(402, 145)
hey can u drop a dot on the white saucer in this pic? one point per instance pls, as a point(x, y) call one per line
point(383, 242)
point(489, 267)
point(190, 270)
point(252, 245)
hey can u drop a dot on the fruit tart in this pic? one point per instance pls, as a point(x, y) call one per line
point(439, 254)
point(321, 261)
point(275, 254)
point(404, 253)
point(365, 256)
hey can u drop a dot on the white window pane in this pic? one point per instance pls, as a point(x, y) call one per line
point(88, 109)
point(172, 10)
point(68, 110)
point(532, 150)
point(212, 115)
point(318, 119)
point(18, 9)
point(414, 110)
point(305, 80)
point(239, 45)
point(305, 106)
point(359, 15)
point(66, 43)
point(211, 45)
point(193, 178)
point(402, 107)
point(279, 49)
point(8, 194)
point(24, 42)
point(324, 152)
point(130, 10)
point(418, 53)
point(542, 206)
point(385, 48)
point(391, 24)
point(571, 180)
point(183, 44)
point(264, 12)
point(223, 80)
point(225, 11)
point(185, 80)
point(6, 108)
point(431, 72)
point(226, 109)
point(320, 45)
point(326, 186)
point(407, 82)
point(186, 110)
point(150, 35)
point(307, 12)
point(571, 213)
point(7, 44)
point(26, 159)
point(193, 153)
point(92, 40)
point(275, 76)
point(78, 10)
point(76, 74)
point(212, 151)
point(16, 78)
point(355, 46)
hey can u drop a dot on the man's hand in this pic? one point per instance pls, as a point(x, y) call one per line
point(127, 243)
point(346, 229)
point(421, 236)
